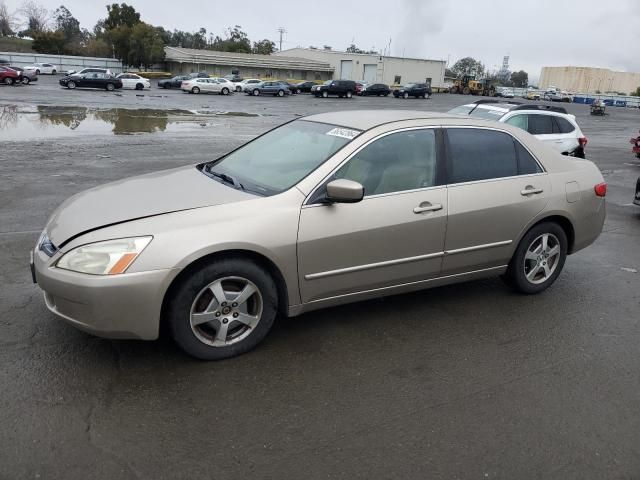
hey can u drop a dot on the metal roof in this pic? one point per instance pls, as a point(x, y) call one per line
point(233, 59)
point(366, 119)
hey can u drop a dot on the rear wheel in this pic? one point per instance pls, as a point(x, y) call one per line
point(225, 91)
point(195, 90)
point(325, 94)
point(71, 84)
point(466, 91)
point(539, 259)
point(38, 72)
point(238, 89)
point(281, 93)
point(26, 80)
point(53, 72)
point(223, 309)
point(256, 92)
point(139, 86)
point(8, 81)
point(405, 95)
point(349, 94)
point(110, 87)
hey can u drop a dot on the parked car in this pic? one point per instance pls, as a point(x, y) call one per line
point(636, 198)
point(234, 78)
point(276, 88)
point(91, 70)
point(359, 87)
point(240, 87)
point(532, 94)
point(91, 80)
point(415, 90)
point(208, 85)
point(134, 81)
point(9, 76)
point(339, 88)
point(316, 87)
point(376, 89)
point(174, 82)
point(553, 125)
point(304, 87)
point(506, 93)
point(558, 96)
point(328, 209)
point(198, 75)
point(26, 76)
point(43, 68)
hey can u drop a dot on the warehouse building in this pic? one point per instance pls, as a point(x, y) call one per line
point(589, 80)
point(247, 65)
point(373, 68)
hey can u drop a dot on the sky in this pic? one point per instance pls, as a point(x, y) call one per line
point(534, 34)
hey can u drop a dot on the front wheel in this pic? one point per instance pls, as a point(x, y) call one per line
point(238, 89)
point(405, 95)
point(8, 81)
point(110, 87)
point(195, 90)
point(256, 92)
point(325, 94)
point(349, 94)
point(225, 91)
point(281, 93)
point(53, 72)
point(223, 309)
point(71, 85)
point(539, 259)
point(37, 72)
point(25, 80)
point(139, 86)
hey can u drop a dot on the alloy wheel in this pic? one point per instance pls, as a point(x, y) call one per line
point(541, 258)
point(226, 311)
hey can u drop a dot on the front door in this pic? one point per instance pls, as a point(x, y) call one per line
point(495, 189)
point(394, 235)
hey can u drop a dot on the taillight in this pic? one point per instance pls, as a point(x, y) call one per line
point(600, 189)
point(582, 141)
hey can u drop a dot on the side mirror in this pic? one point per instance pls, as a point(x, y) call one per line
point(344, 191)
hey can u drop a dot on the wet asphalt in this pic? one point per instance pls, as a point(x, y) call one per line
point(468, 381)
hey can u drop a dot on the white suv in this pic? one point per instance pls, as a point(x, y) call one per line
point(550, 124)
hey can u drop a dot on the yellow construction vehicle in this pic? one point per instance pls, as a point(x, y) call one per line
point(468, 85)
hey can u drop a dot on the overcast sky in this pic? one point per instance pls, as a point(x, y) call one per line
point(547, 32)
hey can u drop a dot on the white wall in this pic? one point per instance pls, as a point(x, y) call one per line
point(587, 79)
point(387, 68)
point(63, 62)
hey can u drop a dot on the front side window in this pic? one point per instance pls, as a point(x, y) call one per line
point(478, 154)
point(282, 157)
point(396, 162)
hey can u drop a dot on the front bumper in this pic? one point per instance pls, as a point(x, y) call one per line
point(110, 306)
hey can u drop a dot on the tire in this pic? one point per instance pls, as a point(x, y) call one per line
point(38, 72)
point(8, 81)
point(228, 278)
point(26, 80)
point(165, 86)
point(225, 91)
point(256, 92)
point(298, 91)
point(238, 89)
point(281, 93)
point(325, 94)
point(466, 91)
point(386, 94)
point(139, 86)
point(71, 84)
point(405, 95)
point(349, 94)
point(525, 273)
point(53, 72)
point(110, 87)
point(195, 90)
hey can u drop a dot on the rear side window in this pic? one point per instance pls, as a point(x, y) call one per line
point(476, 154)
point(540, 124)
point(562, 125)
point(520, 121)
point(527, 165)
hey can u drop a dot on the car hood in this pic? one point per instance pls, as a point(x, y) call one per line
point(138, 197)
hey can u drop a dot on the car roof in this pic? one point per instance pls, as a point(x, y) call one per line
point(509, 106)
point(366, 119)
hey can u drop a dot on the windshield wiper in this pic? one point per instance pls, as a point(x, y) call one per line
point(227, 179)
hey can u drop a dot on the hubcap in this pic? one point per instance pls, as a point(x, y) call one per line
point(226, 311)
point(541, 259)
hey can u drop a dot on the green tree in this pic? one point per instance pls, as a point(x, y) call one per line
point(354, 49)
point(264, 47)
point(49, 42)
point(468, 66)
point(235, 41)
point(97, 47)
point(520, 79)
point(636, 93)
point(145, 46)
point(120, 16)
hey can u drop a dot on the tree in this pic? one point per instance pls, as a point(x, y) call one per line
point(145, 46)
point(49, 42)
point(7, 21)
point(36, 18)
point(468, 66)
point(636, 93)
point(120, 16)
point(520, 79)
point(235, 41)
point(97, 47)
point(66, 23)
point(264, 47)
point(354, 49)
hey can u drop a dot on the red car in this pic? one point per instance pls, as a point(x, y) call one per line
point(9, 76)
point(636, 146)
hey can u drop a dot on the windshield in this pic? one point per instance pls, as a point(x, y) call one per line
point(476, 111)
point(410, 85)
point(328, 82)
point(281, 158)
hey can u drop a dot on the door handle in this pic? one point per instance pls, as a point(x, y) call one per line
point(427, 207)
point(529, 190)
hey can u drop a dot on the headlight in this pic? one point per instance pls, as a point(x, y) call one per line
point(104, 258)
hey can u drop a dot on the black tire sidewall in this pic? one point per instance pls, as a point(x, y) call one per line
point(179, 307)
point(515, 276)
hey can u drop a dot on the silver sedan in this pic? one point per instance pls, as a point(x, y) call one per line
point(321, 211)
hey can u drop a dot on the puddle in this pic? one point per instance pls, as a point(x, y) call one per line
point(43, 122)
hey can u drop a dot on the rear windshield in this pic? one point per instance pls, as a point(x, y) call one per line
point(478, 112)
point(282, 157)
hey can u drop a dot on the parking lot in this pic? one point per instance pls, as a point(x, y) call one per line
point(466, 381)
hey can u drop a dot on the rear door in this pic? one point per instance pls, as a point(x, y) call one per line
point(495, 188)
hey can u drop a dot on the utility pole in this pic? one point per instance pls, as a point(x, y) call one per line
point(282, 31)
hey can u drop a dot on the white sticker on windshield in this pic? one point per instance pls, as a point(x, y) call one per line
point(344, 133)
